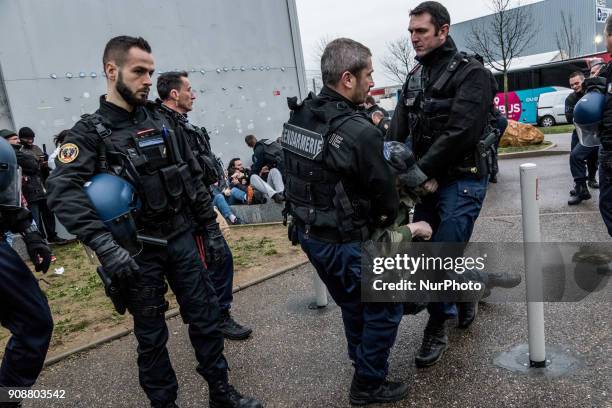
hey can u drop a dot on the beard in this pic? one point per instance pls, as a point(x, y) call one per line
point(128, 95)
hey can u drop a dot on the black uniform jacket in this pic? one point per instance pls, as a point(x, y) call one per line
point(65, 185)
point(468, 114)
point(357, 156)
point(570, 102)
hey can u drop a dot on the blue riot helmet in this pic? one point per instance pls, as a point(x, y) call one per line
point(10, 176)
point(403, 163)
point(114, 199)
point(588, 114)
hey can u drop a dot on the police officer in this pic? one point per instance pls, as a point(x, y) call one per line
point(583, 160)
point(23, 306)
point(444, 112)
point(176, 100)
point(605, 136)
point(339, 188)
point(127, 137)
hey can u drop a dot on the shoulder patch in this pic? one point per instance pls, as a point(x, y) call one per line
point(68, 153)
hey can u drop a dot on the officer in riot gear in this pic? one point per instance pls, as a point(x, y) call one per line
point(444, 112)
point(23, 306)
point(605, 138)
point(176, 100)
point(127, 137)
point(338, 190)
point(587, 116)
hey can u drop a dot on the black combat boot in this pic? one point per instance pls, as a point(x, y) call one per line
point(467, 314)
point(593, 183)
point(231, 329)
point(582, 193)
point(364, 392)
point(435, 343)
point(223, 395)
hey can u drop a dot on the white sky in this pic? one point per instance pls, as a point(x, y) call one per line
point(371, 22)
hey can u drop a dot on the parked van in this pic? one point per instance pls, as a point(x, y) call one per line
point(551, 108)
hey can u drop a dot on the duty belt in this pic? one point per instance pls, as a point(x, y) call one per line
point(333, 235)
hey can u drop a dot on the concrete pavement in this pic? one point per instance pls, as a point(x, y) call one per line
point(297, 357)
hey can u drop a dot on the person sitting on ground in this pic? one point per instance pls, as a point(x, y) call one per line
point(272, 189)
point(267, 155)
point(241, 192)
point(219, 200)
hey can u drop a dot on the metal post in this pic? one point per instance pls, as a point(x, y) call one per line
point(320, 293)
point(533, 267)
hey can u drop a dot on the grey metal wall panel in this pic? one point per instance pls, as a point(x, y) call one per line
point(547, 17)
point(249, 41)
point(6, 120)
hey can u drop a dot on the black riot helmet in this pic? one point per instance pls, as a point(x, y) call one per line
point(10, 178)
point(403, 163)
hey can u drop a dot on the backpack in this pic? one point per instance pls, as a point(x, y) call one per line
point(273, 152)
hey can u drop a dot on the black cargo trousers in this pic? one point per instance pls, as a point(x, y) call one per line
point(179, 264)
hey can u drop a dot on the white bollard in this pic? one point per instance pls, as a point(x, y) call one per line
point(320, 292)
point(533, 266)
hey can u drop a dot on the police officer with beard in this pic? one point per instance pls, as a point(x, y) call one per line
point(23, 306)
point(127, 137)
point(339, 188)
point(176, 100)
point(444, 112)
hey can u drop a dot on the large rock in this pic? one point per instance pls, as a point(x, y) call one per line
point(520, 134)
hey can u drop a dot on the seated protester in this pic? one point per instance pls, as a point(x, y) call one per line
point(267, 167)
point(218, 197)
point(266, 153)
point(271, 189)
point(241, 192)
point(223, 206)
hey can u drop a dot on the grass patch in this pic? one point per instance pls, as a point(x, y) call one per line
point(82, 312)
point(553, 130)
point(67, 326)
point(530, 148)
point(246, 249)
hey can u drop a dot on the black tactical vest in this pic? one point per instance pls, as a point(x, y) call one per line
point(317, 198)
point(199, 142)
point(147, 155)
point(429, 101)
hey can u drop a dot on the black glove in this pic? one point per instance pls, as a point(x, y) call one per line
point(38, 250)
point(115, 260)
point(215, 244)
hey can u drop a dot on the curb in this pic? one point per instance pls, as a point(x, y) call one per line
point(255, 224)
point(169, 314)
point(548, 151)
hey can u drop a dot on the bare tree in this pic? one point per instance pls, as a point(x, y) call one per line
point(505, 36)
point(399, 60)
point(319, 47)
point(569, 38)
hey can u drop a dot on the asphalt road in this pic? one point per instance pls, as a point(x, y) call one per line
point(297, 357)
